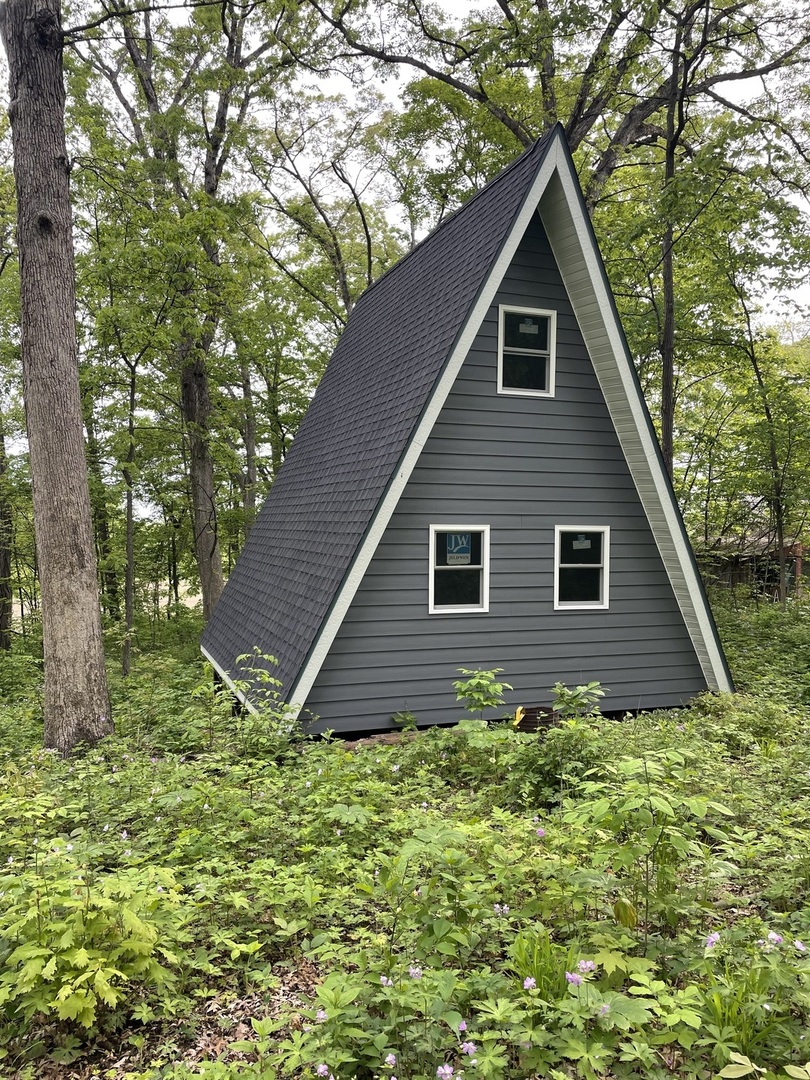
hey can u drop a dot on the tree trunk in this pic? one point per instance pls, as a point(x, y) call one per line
point(76, 703)
point(101, 518)
point(196, 406)
point(250, 449)
point(6, 597)
point(129, 577)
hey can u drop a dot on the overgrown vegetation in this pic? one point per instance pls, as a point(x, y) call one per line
point(208, 895)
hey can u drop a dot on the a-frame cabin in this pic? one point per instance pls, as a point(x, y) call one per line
point(476, 484)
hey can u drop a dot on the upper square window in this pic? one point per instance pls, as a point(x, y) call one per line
point(526, 351)
point(459, 569)
point(581, 565)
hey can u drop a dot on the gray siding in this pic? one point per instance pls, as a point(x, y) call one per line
point(522, 466)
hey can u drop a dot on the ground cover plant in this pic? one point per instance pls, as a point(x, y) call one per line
point(212, 895)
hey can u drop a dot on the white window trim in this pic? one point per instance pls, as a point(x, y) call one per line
point(583, 605)
point(462, 609)
point(512, 391)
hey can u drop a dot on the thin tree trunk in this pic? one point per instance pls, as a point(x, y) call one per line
point(249, 508)
point(129, 579)
point(76, 703)
point(6, 595)
point(101, 517)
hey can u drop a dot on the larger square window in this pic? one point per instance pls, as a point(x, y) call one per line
point(581, 566)
point(526, 351)
point(459, 569)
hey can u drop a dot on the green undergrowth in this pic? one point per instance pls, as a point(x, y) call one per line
point(208, 895)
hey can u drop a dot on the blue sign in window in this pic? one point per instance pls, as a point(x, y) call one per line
point(459, 549)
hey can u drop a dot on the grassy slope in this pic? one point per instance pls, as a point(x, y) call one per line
point(184, 899)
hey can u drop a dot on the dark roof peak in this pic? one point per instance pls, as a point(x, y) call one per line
point(537, 147)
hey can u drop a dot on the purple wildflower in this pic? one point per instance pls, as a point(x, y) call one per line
point(586, 965)
point(711, 940)
point(385, 981)
point(529, 983)
point(321, 1016)
point(799, 946)
point(541, 833)
point(462, 1026)
point(573, 978)
point(391, 1060)
point(444, 1072)
point(322, 1070)
point(415, 972)
point(468, 1048)
point(774, 938)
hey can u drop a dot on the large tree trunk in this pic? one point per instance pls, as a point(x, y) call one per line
point(76, 703)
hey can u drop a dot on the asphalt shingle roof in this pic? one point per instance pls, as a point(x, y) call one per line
point(356, 430)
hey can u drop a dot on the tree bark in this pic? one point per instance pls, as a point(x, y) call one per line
point(76, 703)
point(196, 408)
point(6, 597)
point(129, 573)
point(101, 518)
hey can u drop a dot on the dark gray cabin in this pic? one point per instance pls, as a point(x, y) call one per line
point(476, 484)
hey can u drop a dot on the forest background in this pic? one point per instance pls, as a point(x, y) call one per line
point(241, 172)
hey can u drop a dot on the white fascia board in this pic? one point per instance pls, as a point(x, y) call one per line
point(441, 390)
point(580, 266)
point(226, 678)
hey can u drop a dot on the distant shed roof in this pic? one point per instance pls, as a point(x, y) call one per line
point(375, 387)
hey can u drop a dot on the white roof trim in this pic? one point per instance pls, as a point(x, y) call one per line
point(581, 269)
point(441, 390)
point(226, 678)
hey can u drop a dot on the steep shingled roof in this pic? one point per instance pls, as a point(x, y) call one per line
point(356, 430)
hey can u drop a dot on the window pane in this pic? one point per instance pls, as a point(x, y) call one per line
point(582, 585)
point(581, 547)
point(521, 372)
point(525, 331)
point(458, 549)
point(453, 588)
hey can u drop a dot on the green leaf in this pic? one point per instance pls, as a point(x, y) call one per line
point(625, 913)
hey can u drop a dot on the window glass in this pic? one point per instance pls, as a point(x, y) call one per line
point(580, 547)
point(525, 372)
point(461, 587)
point(525, 331)
point(580, 584)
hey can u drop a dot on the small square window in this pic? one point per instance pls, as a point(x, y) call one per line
point(581, 563)
point(526, 351)
point(459, 568)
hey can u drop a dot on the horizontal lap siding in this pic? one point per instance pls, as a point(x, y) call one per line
point(521, 466)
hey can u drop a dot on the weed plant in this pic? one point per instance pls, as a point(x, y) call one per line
point(206, 894)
